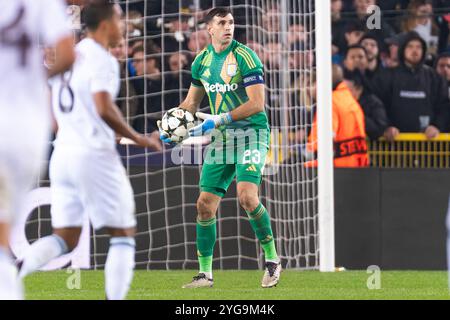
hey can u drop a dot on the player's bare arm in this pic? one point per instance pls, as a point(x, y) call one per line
point(111, 114)
point(64, 56)
point(193, 99)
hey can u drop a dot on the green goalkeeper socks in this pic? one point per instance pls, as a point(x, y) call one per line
point(206, 239)
point(260, 222)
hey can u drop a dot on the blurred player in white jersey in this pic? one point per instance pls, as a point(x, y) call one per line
point(24, 108)
point(86, 173)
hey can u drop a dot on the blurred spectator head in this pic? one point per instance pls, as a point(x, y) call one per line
point(354, 31)
point(443, 65)
point(139, 60)
point(356, 58)
point(370, 43)
point(336, 9)
point(420, 19)
point(145, 65)
point(273, 55)
point(177, 62)
point(296, 33)
point(307, 89)
point(271, 20)
point(220, 25)
point(355, 82)
point(300, 56)
point(361, 6)
point(394, 43)
point(198, 41)
point(338, 75)
point(419, 12)
point(120, 50)
point(413, 49)
point(258, 48)
point(134, 24)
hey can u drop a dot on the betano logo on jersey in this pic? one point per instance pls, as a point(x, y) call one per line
point(221, 88)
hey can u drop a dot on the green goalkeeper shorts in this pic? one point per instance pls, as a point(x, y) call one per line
point(223, 164)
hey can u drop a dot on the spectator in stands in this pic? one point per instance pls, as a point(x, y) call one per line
point(374, 65)
point(350, 147)
point(273, 55)
point(198, 40)
point(177, 81)
point(126, 100)
point(390, 59)
point(134, 24)
point(353, 34)
point(374, 111)
point(356, 59)
point(148, 85)
point(363, 15)
point(271, 24)
point(259, 50)
point(175, 34)
point(444, 32)
point(443, 68)
point(420, 19)
point(337, 28)
point(415, 96)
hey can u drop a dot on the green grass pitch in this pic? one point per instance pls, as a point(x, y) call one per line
point(245, 285)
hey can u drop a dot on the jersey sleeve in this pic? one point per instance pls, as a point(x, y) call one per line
point(54, 22)
point(252, 69)
point(195, 71)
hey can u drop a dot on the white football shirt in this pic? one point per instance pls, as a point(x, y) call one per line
point(26, 26)
point(79, 124)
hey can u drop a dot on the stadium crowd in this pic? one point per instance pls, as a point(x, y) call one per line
point(398, 70)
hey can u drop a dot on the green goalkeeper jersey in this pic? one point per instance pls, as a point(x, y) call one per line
point(225, 76)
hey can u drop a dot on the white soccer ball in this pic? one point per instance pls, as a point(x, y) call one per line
point(176, 122)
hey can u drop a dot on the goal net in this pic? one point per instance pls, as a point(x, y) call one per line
point(162, 37)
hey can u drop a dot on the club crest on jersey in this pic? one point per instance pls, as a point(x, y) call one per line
point(231, 69)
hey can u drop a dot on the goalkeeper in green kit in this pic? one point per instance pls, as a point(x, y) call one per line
point(232, 76)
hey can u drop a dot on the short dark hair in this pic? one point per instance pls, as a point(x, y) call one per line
point(218, 11)
point(443, 55)
point(355, 46)
point(96, 12)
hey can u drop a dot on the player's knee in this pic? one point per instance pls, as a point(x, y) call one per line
point(248, 201)
point(70, 237)
point(205, 208)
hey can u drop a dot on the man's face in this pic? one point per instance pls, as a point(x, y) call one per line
point(443, 68)
point(371, 47)
point(353, 37)
point(198, 40)
point(120, 51)
point(221, 29)
point(336, 6)
point(414, 52)
point(115, 27)
point(362, 5)
point(356, 59)
point(139, 63)
point(177, 62)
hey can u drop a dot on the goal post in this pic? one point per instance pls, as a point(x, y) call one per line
point(325, 137)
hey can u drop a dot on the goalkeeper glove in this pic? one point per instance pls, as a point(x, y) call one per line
point(164, 136)
point(210, 122)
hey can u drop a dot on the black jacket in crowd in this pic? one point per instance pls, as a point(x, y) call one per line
point(374, 114)
point(414, 97)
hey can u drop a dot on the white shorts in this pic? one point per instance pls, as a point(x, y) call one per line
point(24, 142)
point(90, 182)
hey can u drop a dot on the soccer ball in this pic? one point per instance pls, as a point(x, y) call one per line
point(176, 122)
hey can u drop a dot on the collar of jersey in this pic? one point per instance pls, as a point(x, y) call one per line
point(224, 52)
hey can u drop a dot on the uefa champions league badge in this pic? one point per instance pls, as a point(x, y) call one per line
point(231, 69)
